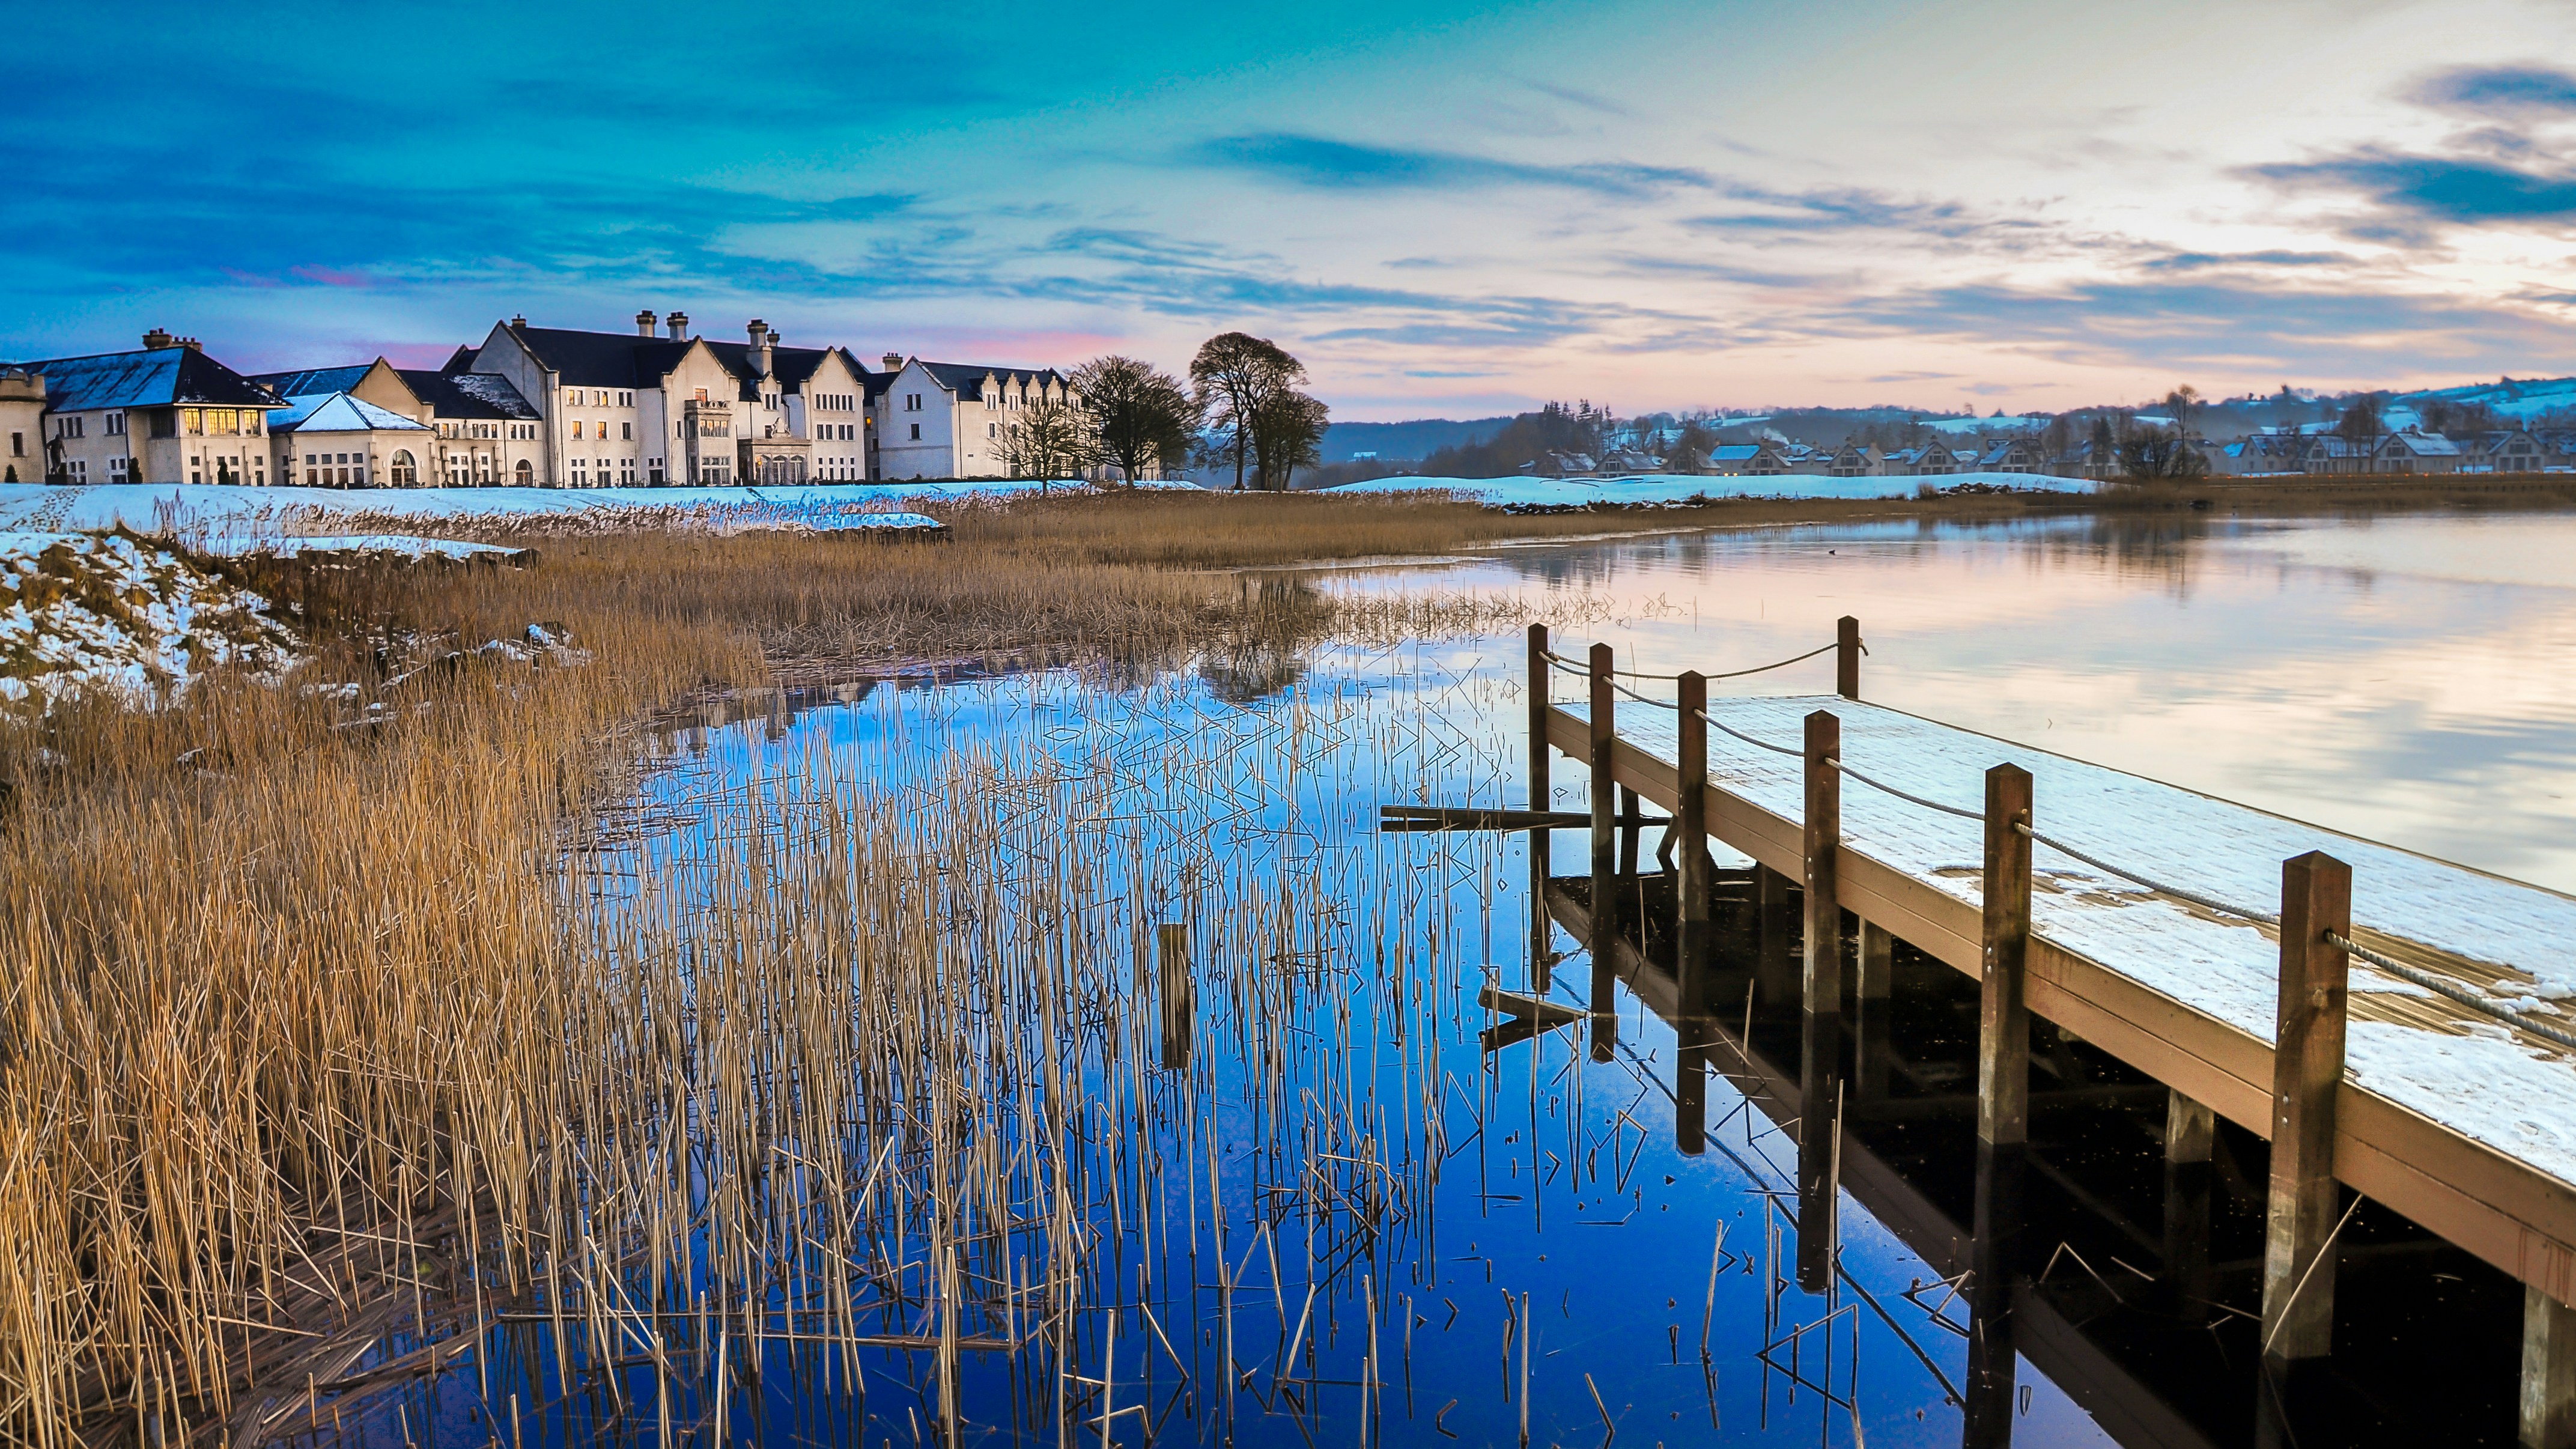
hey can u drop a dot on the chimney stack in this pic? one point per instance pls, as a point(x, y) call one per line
point(679, 325)
point(644, 324)
point(518, 319)
point(893, 361)
point(158, 338)
point(760, 354)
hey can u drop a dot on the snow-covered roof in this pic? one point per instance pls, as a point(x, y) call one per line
point(469, 395)
point(337, 412)
point(155, 376)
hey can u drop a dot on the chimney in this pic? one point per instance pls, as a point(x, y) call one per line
point(679, 325)
point(192, 344)
point(158, 338)
point(760, 353)
point(519, 319)
point(644, 324)
point(893, 361)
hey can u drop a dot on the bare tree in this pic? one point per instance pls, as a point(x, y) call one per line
point(1144, 416)
point(1287, 434)
point(1237, 375)
point(1050, 439)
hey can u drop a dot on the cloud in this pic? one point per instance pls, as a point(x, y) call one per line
point(2500, 90)
point(2198, 261)
point(2435, 188)
point(1824, 210)
point(1343, 166)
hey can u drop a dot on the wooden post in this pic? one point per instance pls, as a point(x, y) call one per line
point(1870, 1017)
point(2003, 1107)
point(2003, 1026)
point(2307, 1073)
point(1773, 967)
point(2548, 1371)
point(2189, 1281)
point(1631, 813)
point(1180, 994)
point(1542, 688)
point(1690, 823)
point(1847, 657)
point(1821, 1002)
point(1605, 846)
point(1690, 1087)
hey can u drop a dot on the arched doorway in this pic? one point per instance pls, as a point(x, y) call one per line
point(405, 473)
point(525, 475)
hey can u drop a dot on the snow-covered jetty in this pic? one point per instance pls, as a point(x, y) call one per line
point(2389, 1022)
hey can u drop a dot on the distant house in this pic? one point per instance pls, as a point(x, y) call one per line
point(482, 432)
point(2411, 451)
point(1754, 460)
point(166, 414)
point(334, 440)
point(1629, 460)
point(1853, 460)
point(2257, 454)
point(2328, 453)
point(1932, 459)
point(950, 419)
point(2013, 454)
point(2513, 450)
point(1808, 461)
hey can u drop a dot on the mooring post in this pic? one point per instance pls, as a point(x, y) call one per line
point(2003, 1105)
point(1690, 823)
point(1605, 860)
point(2191, 1131)
point(1870, 1015)
point(1632, 813)
point(1180, 994)
point(1846, 657)
point(2548, 1371)
point(1821, 999)
point(1542, 689)
point(2307, 1074)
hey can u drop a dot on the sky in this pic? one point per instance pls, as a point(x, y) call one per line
point(1444, 210)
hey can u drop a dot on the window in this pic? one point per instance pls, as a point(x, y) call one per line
point(165, 424)
point(702, 394)
point(525, 474)
point(626, 431)
point(17, 445)
point(992, 430)
point(406, 474)
point(916, 432)
point(222, 420)
point(576, 430)
point(116, 425)
point(194, 420)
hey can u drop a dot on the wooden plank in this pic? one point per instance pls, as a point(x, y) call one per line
point(2548, 1372)
point(1542, 798)
point(2307, 1077)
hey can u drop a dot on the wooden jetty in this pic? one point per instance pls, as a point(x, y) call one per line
point(2206, 944)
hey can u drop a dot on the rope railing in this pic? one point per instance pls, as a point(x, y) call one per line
point(2430, 981)
point(1584, 667)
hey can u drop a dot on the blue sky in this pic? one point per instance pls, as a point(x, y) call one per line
point(1445, 210)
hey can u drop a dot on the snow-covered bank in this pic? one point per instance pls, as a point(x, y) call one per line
point(154, 507)
point(106, 612)
point(1654, 488)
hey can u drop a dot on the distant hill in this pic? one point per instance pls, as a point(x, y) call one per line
point(1416, 439)
point(2511, 397)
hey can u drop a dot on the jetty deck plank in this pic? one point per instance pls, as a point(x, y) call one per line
point(2461, 1123)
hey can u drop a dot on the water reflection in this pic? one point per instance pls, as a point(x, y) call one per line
point(2399, 678)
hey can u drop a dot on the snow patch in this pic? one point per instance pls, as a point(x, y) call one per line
point(116, 614)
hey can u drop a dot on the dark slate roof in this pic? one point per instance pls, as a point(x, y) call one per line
point(468, 395)
point(872, 384)
point(313, 380)
point(967, 381)
point(461, 360)
point(154, 377)
point(602, 359)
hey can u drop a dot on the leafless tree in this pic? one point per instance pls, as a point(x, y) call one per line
point(1144, 416)
point(1050, 439)
point(1237, 375)
point(1287, 434)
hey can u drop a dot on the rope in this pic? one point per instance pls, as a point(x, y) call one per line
point(1902, 795)
point(1748, 739)
point(2475, 1001)
point(1584, 668)
point(1641, 699)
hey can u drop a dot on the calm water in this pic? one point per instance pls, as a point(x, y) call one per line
point(2404, 679)
point(1551, 1193)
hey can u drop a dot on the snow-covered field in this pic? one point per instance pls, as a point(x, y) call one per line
point(1676, 488)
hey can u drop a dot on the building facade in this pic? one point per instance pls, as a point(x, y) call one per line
point(165, 414)
point(950, 420)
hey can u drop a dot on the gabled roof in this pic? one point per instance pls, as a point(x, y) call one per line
point(966, 380)
point(475, 395)
point(313, 380)
point(631, 362)
point(154, 377)
point(2423, 445)
point(873, 384)
point(337, 412)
